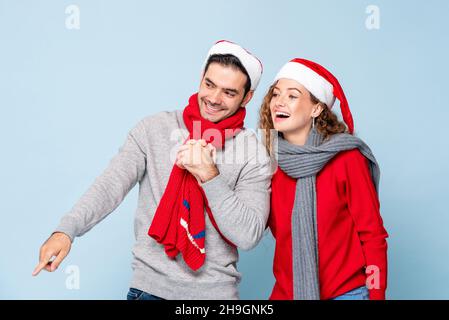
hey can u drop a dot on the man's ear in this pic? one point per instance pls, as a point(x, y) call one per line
point(247, 98)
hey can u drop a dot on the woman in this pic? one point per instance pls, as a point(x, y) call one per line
point(330, 239)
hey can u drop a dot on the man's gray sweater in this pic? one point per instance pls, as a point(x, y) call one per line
point(239, 198)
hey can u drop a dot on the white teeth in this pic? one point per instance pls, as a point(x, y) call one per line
point(213, 108)
point(278, 113)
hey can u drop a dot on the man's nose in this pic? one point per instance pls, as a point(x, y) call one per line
point(215, 97)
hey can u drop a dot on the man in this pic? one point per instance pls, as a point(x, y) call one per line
point(195, 210)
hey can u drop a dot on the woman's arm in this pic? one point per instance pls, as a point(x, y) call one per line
point(364, 206)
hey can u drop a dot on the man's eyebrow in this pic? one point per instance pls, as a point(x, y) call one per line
point(224, 89)
point(209, 80)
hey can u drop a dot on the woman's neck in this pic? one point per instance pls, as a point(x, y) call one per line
point(298, 137)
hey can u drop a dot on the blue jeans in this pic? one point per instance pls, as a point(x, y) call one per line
point(136, 294)
point(361, 293)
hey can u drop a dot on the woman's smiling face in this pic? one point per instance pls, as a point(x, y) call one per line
point(291, 106)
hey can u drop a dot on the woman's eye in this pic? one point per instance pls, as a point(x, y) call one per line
point(275, 95)
point(293, 97)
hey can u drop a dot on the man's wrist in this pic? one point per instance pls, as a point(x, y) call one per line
point(210, 174)
point(61, 234)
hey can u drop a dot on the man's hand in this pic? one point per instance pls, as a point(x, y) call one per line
point(58, 245)
point(198, 157)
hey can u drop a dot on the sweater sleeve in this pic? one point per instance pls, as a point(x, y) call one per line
point(108, 190)
point(241, 213)
point(364, 205)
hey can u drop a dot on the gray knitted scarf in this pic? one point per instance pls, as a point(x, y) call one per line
point(303, 163)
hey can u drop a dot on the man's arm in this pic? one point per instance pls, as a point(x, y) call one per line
point(241, 213)
point(103, 196)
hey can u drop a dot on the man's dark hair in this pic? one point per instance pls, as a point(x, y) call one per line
point(230, 60)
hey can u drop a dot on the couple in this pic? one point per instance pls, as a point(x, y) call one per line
point(205, 187)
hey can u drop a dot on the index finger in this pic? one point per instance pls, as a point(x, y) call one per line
point(184, 147)
point(191, 141)
point(41, 265)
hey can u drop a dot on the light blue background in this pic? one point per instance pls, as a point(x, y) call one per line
point(69, 97)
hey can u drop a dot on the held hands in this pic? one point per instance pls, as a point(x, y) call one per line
point(198, 157)
point(58, 245)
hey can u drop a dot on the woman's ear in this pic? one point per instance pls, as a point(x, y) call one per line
point(317, 109)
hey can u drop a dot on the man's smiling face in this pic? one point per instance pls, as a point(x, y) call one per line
point(222, 92)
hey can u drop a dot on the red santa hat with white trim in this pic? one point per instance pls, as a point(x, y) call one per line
point(320, 82)
point(251, 63)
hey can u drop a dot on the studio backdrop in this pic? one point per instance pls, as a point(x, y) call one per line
point(76, 76)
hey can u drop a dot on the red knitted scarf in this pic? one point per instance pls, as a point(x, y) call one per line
point(179, 221)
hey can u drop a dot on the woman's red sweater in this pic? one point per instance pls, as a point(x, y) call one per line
point(351, 237)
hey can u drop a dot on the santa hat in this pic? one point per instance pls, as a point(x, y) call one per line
point(320, 82)
point(251, 63)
